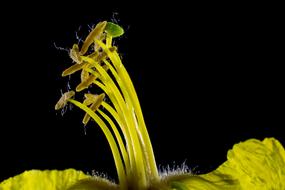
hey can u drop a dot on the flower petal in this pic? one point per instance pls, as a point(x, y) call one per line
point(43, 180)
point(253, 164)
point(257, 164)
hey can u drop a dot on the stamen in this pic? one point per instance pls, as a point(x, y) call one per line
point(74, 54)
point(96, 46)
point(94, 34)
point(101, 56)
point(63, 100)
point(127, 83)
point(108, 41)
point(94, 55)
point(90, 99)
point(85, 84)
point(125, 110)
point(72, 69)
point(113, 48)
point(95, 105)
point(91, 78)
point(119, 139)
point(84, 75)
point(114, 148)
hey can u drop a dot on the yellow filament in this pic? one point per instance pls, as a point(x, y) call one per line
point(119, 139)
point(129, 102)
point(144, 134)
point(127, 83)
point(139, 158)
point(125, 132)
point(111, 141)
point(145, 137)
point(109, 41)
point(116, 116)
point(123, 122)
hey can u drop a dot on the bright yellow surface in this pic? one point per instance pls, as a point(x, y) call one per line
point(43, 180)
point(251, 165)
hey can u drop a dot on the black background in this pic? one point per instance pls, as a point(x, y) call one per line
point(207, 77)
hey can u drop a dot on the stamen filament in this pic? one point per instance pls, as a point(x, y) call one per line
point(119, 139)
point(108, 40)
point(129, 103)
point(111, 141)
point(120, 120)
point(138, 153)
point(116, 116)
point(115, 59)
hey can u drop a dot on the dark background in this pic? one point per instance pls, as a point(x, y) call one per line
point(207, 77)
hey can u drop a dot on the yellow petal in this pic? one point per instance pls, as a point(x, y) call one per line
point(251, 165)
point(43, 180)
point(258, 165)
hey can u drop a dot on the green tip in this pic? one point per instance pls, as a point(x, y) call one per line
point(114, 30)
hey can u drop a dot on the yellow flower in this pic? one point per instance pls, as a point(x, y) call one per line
point(251, 165)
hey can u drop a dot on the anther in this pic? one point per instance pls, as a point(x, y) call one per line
point(63, 100)
point(97, 101)
point(74, 54)
point(72, 69)
point(94, 34)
